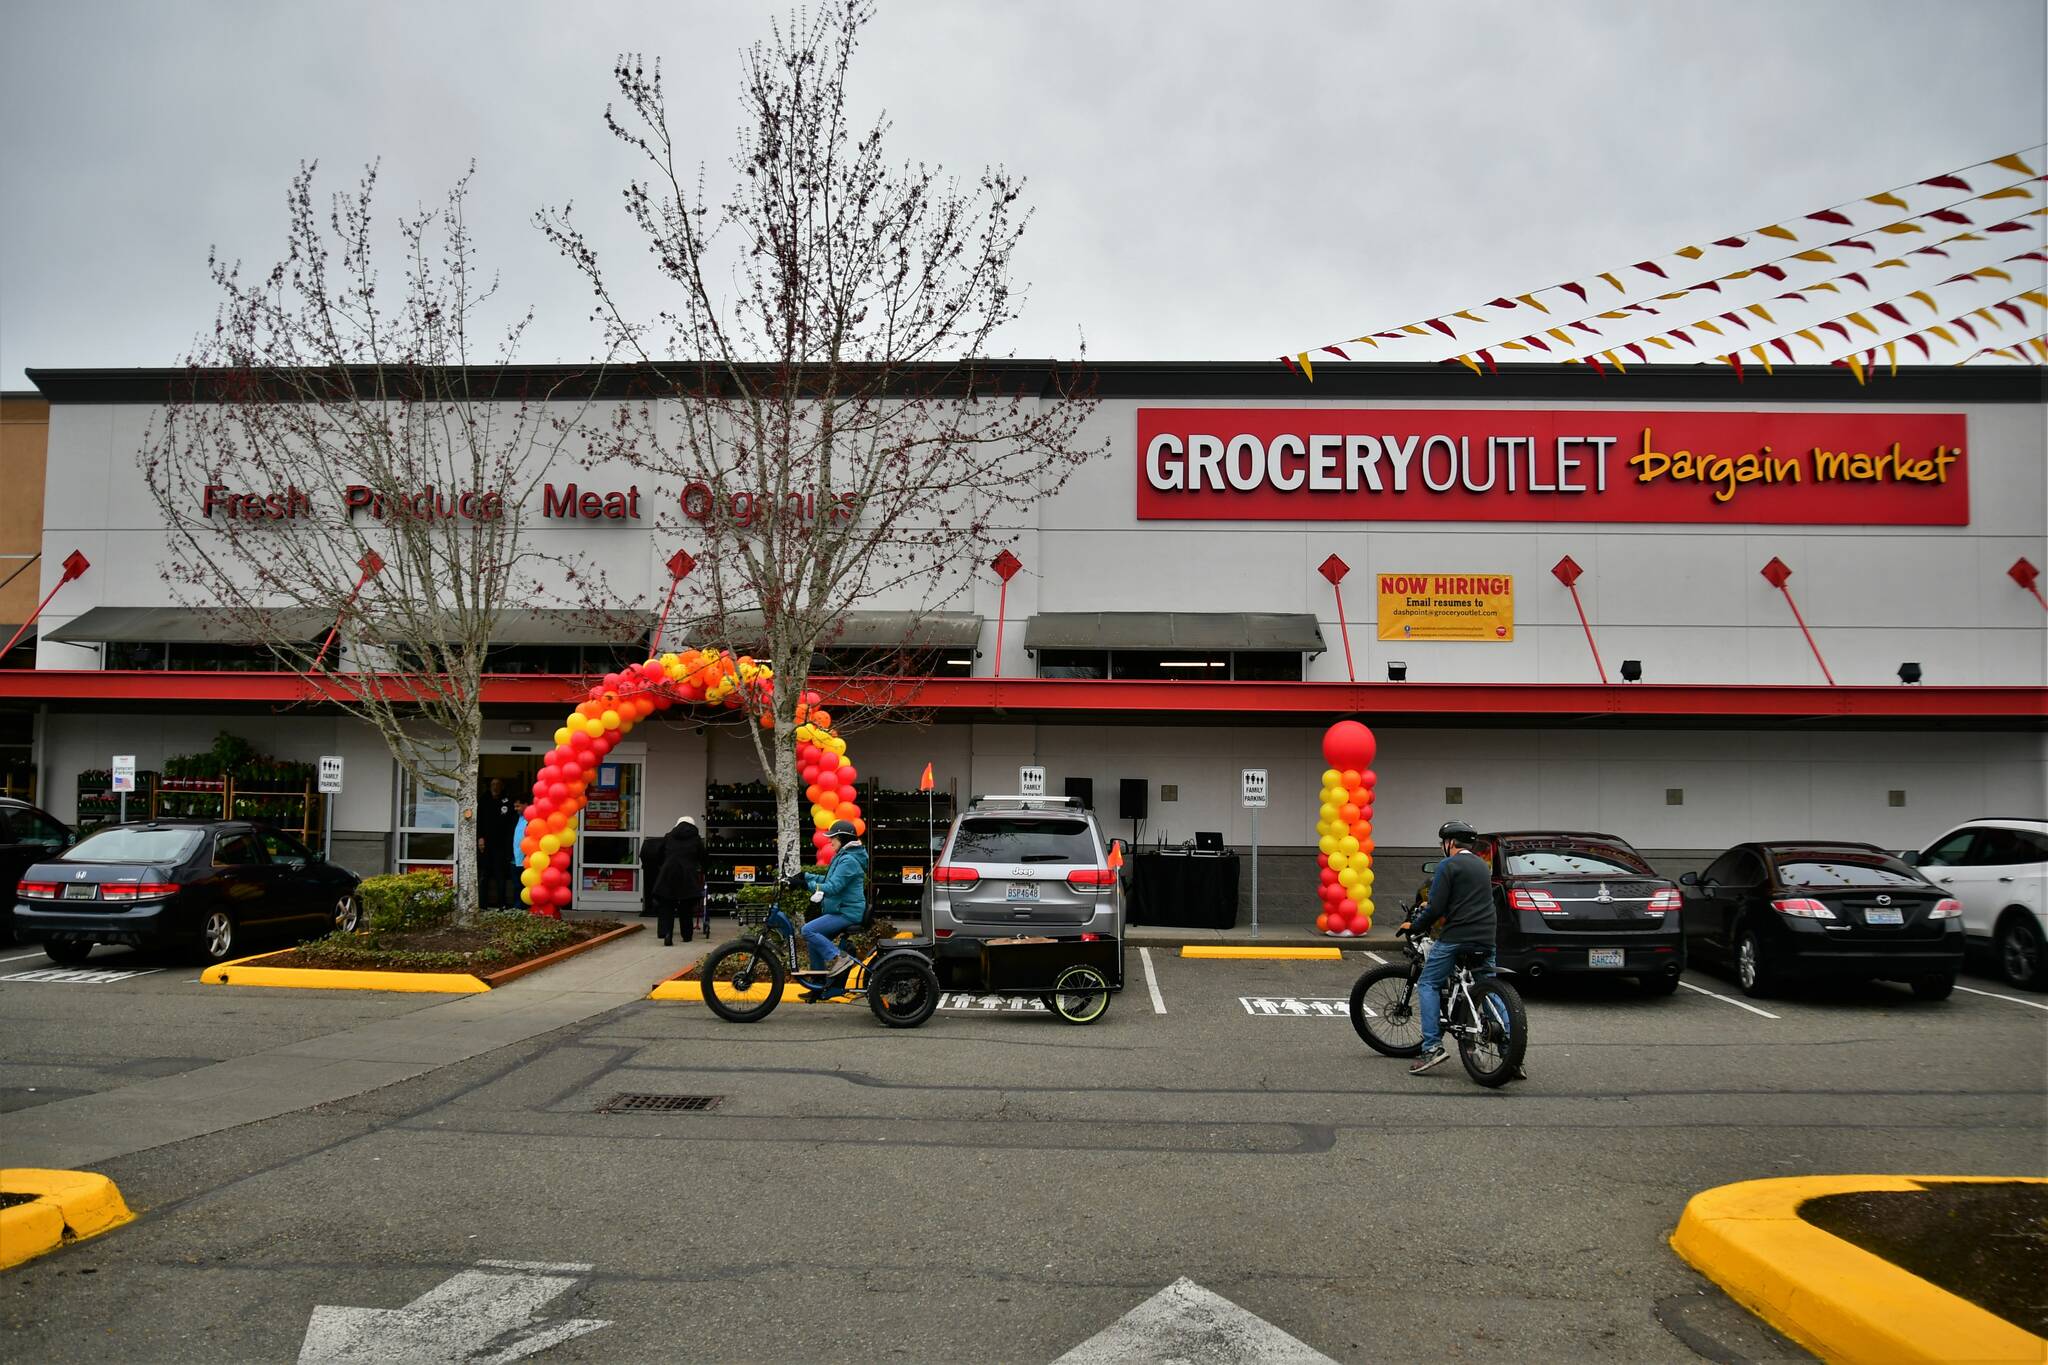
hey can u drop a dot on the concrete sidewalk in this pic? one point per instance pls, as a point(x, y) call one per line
point(81, 1132)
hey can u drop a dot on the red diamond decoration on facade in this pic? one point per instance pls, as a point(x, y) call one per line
point(371, 563)
point(1777, 572)
point(680, 563)
point(1333, 569)
point(1006, 565)
point(75, 564)
point(1567, 571)
point(2024, 573)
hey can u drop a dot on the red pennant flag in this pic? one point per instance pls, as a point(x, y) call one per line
point(1929, 251)
point(1830, 216)
point(1578, 289)
point(1490, 367)
point(1288, 361)
point(1640, 354)
point(2019, 314)
point(1890, 310)
point(1836, 327)
point(1500, 303)
point(1335, 351)
point(1784, 347)
point(1949, 182)
point(1915, 339)
point(1713, 286)
point(1772, 272)
point(1587, 327)
point(2007, 227)
point(1536, 341)
point(1729, 241)
point(2028, 256)
point(1653, 268)
point(1958, 322)
point(1852, 275)
point(1851, 241)
point(924, 784)
point(1594, 361)
point(1735, 361)
point(1442, 326)
point(1737, 320)
point(1949, 216)
point(1679, 332)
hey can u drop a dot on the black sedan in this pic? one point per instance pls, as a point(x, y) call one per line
point(201, 886)
point(1777, 912)
point(1568, 903)
point(27, 836)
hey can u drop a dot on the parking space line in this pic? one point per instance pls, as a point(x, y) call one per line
point(1375, 957)
point(1726, 1000)
point(1994, 995)
point(1151, 981)
point(23, 958)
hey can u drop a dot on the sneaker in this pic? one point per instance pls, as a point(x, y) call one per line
point(1434, 1057)
point(840, 968)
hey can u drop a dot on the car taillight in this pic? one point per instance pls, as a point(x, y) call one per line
point(1665, 902)
point(1946, 909)
point(942, 933)
point(136, 891)
point(1541, 901)
point(1801, 908)
point(39, 891)
point(1091, 879)
point(957, 877)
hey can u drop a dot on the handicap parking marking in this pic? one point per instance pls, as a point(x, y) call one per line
point(1728, 1000)
point(77, 976)
point(1297, 1006)
point(967, 1002)
point(1994, 995)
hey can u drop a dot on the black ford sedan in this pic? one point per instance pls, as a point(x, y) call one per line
point(1567, 903)
point(1774, 913)
point(202, 886)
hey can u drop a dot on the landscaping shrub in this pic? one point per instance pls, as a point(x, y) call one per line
point(415, 900)
point(502, 937)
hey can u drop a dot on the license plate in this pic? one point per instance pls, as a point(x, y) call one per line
point(1606, 957)
point(80, 891)
point(1022, 891)
point(1877, 916)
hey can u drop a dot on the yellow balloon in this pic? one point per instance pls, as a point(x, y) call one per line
point(527, 876)
point(536, 860)
point(805, 733)
point(669, 661)
point(821, 818)
point(1365, 906)
point(610, 720)
point(1332, 778)
point(1347, 879)
point(1326, 844)
point(838, 745)
point(1335, 796)
point(1365, 876)
point(1338, 862)
point(1348, 845)
point(526, 898)
point(550, 845)
point(1329, 811)
point(564, 735)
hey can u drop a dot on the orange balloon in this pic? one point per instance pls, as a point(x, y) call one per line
point(821, 719)
point(860, 827)
point(1362, 830)
point(1348, 814)
point(1348, 779)
point(1365, 846)
point(827, 799)
point(849, 811)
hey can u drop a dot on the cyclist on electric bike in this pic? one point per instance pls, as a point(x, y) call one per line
point(840, 896)
point(1461, 902)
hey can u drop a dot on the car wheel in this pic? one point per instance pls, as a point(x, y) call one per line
point(348, 916)
point(1933, 987)
point(216, 936)
point(2022, 956)
point(66, 952)
point(1658, 985)
point(1753, 971)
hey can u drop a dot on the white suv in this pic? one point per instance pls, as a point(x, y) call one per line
point(1998, 868)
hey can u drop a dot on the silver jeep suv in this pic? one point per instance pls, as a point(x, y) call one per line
point(1013, 864)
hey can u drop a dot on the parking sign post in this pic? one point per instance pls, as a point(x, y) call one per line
point(1253, 795)
point(124, 781)
point(330, 787)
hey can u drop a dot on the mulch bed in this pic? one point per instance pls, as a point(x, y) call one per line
point(1987, 1243)
point(478, 944)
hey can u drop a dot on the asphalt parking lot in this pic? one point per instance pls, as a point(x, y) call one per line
point(997, 1185)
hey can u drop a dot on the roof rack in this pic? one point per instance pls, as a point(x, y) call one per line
point(1029, 802)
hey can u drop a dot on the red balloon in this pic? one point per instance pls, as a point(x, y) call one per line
point(1333, 893)
point(563, 895)
point(827, 851)
point(572, 773)
point(1327, 877)
point(1366, 780)
point(809, 773)
point(847, 776)
point(1347, 907)
point(579, 741)
point(549, 772)
point(828, 779)
point(1347, 744)
point(807, 752)
point(557, 791)
point(1323, 861)
point(813, 698)
point(847, 791)
point(551, 876)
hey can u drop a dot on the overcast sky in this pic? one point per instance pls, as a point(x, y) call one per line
point(1212, 181)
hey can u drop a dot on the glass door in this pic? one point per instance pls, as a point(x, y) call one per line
point(608, 845)
point(426, 828)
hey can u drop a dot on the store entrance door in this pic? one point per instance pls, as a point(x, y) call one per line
point(607, 866)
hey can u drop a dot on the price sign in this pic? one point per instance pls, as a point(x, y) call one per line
point(744, 874)
point(1031, 781)
point(124, 772)
point(913, 876)
point(330, 774)
point(1253, 795)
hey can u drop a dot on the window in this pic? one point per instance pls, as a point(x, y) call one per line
point(1737, 867)
point(1998, 846)
point(236, 850)
point(426, 826)
point(1250, 665)
point(282, 848)
point(1183, 664)
point(193, 656)
point(1573, 860)
point(1822, 870)
point(32, 827)
point(1266, 665)
point(1953, 851)
point(128, 844)
point(1007, 839)
point(1073, 663)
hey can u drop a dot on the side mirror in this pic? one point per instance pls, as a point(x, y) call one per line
point(1429, 869)
point(1688, 879)
point(1910, 857)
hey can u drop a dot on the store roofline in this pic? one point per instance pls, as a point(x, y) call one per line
point(1023, 699)
point(1209, 379)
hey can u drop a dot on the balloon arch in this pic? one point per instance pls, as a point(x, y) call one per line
point(610, 711)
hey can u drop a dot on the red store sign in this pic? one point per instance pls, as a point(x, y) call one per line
point(1541, 465)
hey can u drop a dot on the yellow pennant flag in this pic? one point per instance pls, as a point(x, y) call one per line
point(2014, 164)
point(1306, 368)
point(1809, 335)
point(2009, 192)
point(1619, 287)
point(1887, 265)
point(1691, 253)
point(1674, 294)
point(1891, 354)
point(1560, 334)
point(1368, 341)
point(2040, 347)
point(1762, 312)
point(1774, 230)
point(1763, 357)
point(1530, 299)
point(1513, 346)
point(1855, 366)
point(1469, 363)
point(1415, 329)
point(1924, 297)
point(1889, 199)
point(1994, 272)
point(1896, 228)
point(1616, 314)
point(1738, 275)
point(1985, 313)
point(1614, 360)
point(1813, 256)
point(1943, 333)
point(2036, 297)
point(1706, 326)
point(1468, 314)
point(1865, 323)
point(1661, 341)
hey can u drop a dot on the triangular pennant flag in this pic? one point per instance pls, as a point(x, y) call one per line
point(1858, 278)
point(1891, 355)
point(1337, 352)
point(1784, 348)
point(1442, 326)
point(1619, 287)
point(1288, 361)
point(1810, 335)
point(1614, 313)
point(1815, 255)
point(1502, 302)
point(2035, 296)
point(1888, 199)
point(1558, 335)
point(1594, 361)
point(1763, 357)
point(924, 783)
point(1734, 361)
point(1641, 354)
point(1659, 341)
point(1691, 253)
point(1851, 241)
point(2019, 314)
point(1827, 285)
point(1306, 368)
point(1737, 319)
point(1775, 231)
point(1855, 365)
point(2029, 256)
point(1890, 310)
point(1468, 315)
point(1368, 341)
point(1713, 286)
point(1763, 313)
point(1948, 182)
point(1469, 363)
point(1994, 272)
point(1578, 289)
point(1530, 299)
point(1915, 338)
point(1965, 327)
point(1653, 268)
point(2009, 192)
point(1896, 228)
point(2040, 346)
point(1835, 327)
point(1887, 265)
point(1679, 332)
point(1729, 241)
point(1705, 326)
point(1772, 272)
point(1491, 368)
point(1985, 313)
point(1114, 862)
point(1513, 346)
point(1415, 329)
point(2014, 164)
point(1926, 298)
point(1609, 357)
point(1829, 216)
point(1947, 216)
point(1944, 334)
point(2014, 226)
point(1585, 327)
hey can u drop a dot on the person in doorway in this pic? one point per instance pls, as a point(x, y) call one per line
point(679, 889)
point(839, 900)
point(494, 825)
point(651, 850)
point(1460, 907)
point(518, 858)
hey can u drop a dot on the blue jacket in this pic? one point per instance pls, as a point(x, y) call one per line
point(844, 883)
point(518, 838)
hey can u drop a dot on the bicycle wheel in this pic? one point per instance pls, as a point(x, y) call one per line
point(903, 990)
point(1384, 1012)
point(1079, 995)
point(742, 981)
point(1495, 1056)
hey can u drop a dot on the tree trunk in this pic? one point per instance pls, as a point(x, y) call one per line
point(789, 790)
point(466, 886)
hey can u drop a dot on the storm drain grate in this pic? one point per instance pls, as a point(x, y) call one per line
point(657, 1104)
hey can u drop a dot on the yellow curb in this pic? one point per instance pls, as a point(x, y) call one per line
point(1242, 951)
point(245, 972)
point(1831, 1296)
point(694, 991)
point(69, 1206)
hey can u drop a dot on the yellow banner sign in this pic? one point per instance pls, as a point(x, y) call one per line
point(1447, 606)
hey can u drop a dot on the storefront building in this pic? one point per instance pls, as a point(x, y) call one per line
point(1175, 619)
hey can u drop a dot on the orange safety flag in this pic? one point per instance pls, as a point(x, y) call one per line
point(924, 784)
point(1116, 854)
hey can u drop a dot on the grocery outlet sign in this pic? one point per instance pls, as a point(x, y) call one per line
point(1412, 464)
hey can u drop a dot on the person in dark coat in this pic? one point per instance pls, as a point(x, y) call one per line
point(651, 849)
point(679, 888)
point(497, 816)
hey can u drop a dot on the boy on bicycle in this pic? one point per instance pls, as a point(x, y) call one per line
point(1461, 901)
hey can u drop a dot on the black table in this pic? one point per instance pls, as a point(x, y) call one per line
point(1189, 890)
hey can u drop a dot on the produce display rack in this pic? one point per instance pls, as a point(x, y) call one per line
point(296, 812)
point(739, 832)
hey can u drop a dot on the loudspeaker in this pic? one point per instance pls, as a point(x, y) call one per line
point(1084, 788)
point(1133, 798)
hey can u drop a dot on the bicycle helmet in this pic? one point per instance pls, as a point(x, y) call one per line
point(1457, 832)
point(843, 830)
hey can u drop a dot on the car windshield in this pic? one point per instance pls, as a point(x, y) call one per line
point(135, 846)
point(1573, 859)
point(1011, 839)
point(1820, 869)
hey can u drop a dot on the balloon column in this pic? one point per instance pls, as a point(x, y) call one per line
point(609, 712)
point(1344, 830)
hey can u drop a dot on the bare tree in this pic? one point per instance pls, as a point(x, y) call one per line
point(840, 437)
point(343, 452)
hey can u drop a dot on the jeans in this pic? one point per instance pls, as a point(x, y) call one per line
point(1429, 988)
point(819, 931)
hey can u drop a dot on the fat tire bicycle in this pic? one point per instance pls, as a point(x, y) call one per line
point(1483, 1013)
point(900, 986)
